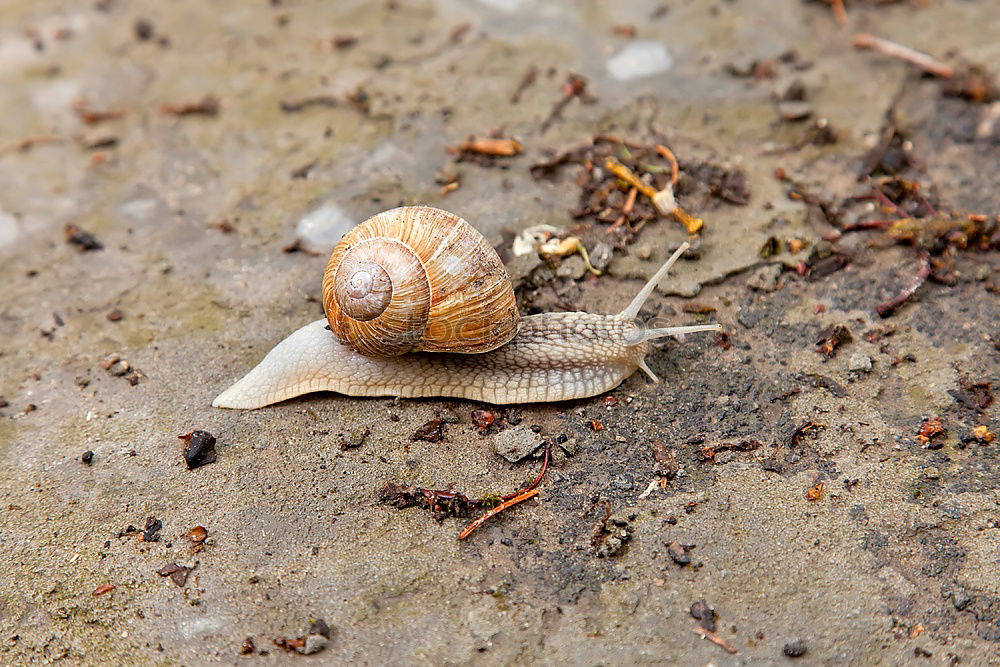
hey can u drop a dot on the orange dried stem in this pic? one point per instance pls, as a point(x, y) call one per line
point(715, 639)
point(839, 12)
point(668, 155)
point(693, 224)
point(925, 62)
point(625, 174)
point(496, 510)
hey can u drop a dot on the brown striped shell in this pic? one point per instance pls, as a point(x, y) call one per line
point(418, 278)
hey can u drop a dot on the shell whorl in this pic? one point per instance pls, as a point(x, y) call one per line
point(418, 278)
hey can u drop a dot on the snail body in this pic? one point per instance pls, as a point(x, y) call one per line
point(551, 357)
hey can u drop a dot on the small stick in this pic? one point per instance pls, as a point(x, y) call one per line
point(879, 195)
point(869, 224)
point(715, 639)
point(669, 156)
point(496, 510)
point(575, 86)
point(629, 204)
point(663, 200)
point(28, 143)
point(931, 65)
point(839, 13)
point(889, 307)
point(538, 479)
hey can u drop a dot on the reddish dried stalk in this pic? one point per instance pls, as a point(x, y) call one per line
point(889, 307)
point(925, 62)
point(715, 639)
point(496, 510)
point(669, 156)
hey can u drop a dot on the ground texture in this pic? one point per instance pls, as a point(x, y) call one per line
point(819, 476)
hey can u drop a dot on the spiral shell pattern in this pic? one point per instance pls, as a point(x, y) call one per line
point(418, 278)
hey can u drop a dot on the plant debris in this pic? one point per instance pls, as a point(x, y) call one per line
point(177, 573)
point(432, 431)
point(151, 532)
point(199, 449)
point(930, 428)
point(809, 428)
point(483, 418)
point(705, 614)
point(715, 639)
point(443, 503)
point(102, 589)
point(614, 170)
point(575, 87)
point(82, 239)
point(708, 452)
point(299, 104)
point(198, 534)
point(118, 367)
point(313, 640)
point(832, 338)
point(680, 553)
point(487, 146)
point(206, 106)
point(815, 492)
point(983, 434)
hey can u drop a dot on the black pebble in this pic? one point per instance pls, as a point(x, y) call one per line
point(87, 457)
point(794, 649)
point(200, 449)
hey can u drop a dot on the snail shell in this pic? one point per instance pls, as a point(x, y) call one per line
point(418, 278)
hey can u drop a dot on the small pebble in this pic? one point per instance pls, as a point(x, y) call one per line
point(87, 457)
point(516, 443)
point(638, 60)
point(199, 449)
point(860, 363)
point(794, 649)
point(432, 431)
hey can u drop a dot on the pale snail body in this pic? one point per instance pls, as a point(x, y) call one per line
point(552, 357)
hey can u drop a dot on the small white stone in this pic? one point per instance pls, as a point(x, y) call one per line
point(860, 362)
point(322, 227)
point(8, 228)
point(638, 60)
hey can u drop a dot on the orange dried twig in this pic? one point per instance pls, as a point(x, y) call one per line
point(496, 510)
point(629, 205)
point(839, 12)
point(925, 62)
point(715, 639)
point(663, 200)
point(668, 155)
point(501, 147)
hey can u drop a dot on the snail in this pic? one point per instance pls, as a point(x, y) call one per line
point(419, 304)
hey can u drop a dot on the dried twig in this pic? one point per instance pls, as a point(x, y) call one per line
point(715, 639)
point(925, 62)
point(26, 144)
point(889, 307)
point(839, 12)
point(668, 155)
point(663, 200)
point(487, 146)
point(575, 86)
point(496, 510)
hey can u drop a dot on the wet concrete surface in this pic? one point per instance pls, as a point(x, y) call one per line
point(897, 558)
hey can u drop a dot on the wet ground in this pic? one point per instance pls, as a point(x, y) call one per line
point(840, 503)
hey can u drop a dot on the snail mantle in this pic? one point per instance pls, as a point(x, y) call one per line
point(418, 304)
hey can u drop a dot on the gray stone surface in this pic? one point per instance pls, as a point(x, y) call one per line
point(898, 553)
